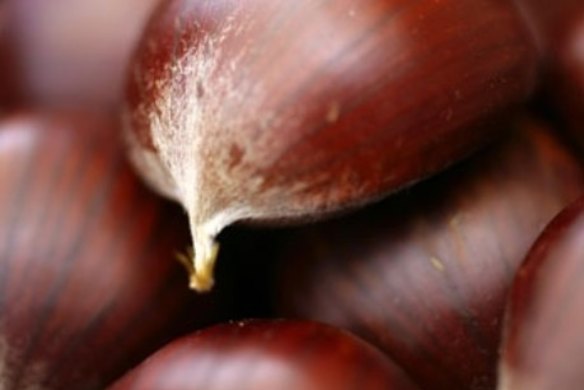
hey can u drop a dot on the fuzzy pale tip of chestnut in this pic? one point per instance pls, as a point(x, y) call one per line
point(199, 260)
point(236, 127)
point(200, 264)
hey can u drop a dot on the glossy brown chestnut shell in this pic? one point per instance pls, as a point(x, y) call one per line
point(267, 355)
point(88, 283)
point(544, 345)
point(559, 28)
point(569, 76)
point(7, 66)
point(425, 275)
point(263, 110)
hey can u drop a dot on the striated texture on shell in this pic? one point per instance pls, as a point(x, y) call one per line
point(425, 275)
point(88, 285)
point(263, 110)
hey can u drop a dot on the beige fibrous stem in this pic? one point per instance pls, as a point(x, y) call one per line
point(200, 262)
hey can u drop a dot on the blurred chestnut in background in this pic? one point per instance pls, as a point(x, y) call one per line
point(88, 281)
point(270, 355)
point(424, 275)
point(559, 28)
point(569, 76)
point(71, 52)
point(8, 93)
point(544, 344)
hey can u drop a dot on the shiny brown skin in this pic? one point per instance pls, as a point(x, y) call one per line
point(569, 76)
point(543, 346)
point(424, 275)
point(88, 281)
point(559, 28)
point(356, 98)
point(267, 355)
point(71, 52)
point(547, 19)
point(7, 67)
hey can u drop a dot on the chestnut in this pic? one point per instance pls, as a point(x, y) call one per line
point(7, 66)
point(290, 110)
point(70, 52)
point(543, 345)
point(559, 28)
point(424, 275)
point(267, 355)
point(568, 76)
point(88, 282)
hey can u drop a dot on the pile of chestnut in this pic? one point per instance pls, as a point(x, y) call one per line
point(293, 194)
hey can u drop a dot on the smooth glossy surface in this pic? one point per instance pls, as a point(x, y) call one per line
point(267, 355)
point(570, 76)
point(263, 110)
point(544, 344)
point(71, 52)
point(559, 28)
point(425, 275)
point(88, 280)
point(7, 68)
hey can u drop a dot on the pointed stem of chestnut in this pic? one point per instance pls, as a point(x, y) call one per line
point(294, 110)
point(200, 264)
